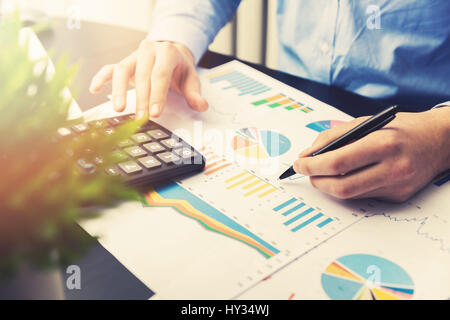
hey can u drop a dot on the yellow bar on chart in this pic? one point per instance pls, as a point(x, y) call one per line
point(252, 184)
point(236, 176)
point(240, 182)
point(262, 195)
point(256, 190)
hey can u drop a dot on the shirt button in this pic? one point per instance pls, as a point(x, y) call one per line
point(324, 48)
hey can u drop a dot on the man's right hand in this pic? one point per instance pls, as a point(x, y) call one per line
point(154, 67)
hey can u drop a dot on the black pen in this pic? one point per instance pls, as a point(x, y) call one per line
point(375, 122)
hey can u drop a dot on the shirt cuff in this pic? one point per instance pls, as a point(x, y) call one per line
point(440, 105)
point(172, 29)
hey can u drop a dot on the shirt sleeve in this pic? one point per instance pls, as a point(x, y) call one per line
point(444, 104)
point(193, 23)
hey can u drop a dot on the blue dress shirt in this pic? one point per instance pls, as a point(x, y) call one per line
point(390, 49)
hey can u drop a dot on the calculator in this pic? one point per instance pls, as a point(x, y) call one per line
point(153, 154)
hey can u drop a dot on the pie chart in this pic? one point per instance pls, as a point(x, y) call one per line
point(259, 144)
point(320, 126)
point(366, 277)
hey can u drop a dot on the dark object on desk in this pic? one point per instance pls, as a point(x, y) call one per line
point(153, 154)
point(376, 122)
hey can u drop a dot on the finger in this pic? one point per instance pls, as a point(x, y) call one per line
point(353, 185)
point(121, 77)
point(353, 156)
point(144, 66)
point(103, 76)
point(327, 136)
point(165, 62)
point(192, 91)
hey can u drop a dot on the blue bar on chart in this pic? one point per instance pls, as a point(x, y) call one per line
point(304, 224)
point(304, 213)
point(293, 209)
point(284, 204)
point(240, 81)
point(324, 222)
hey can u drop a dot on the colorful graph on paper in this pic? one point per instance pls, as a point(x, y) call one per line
point(298, 215)
point(243, 83)
point(249, 185)
point(320, 126)
point(186, 203)
point(259, 144)
point(366, 277)
point(214, 162)
point(281, 100)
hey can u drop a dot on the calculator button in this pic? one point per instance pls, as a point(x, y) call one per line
point(64, 132)
point(112, 171)
point(109, 131)
point(125, 143)
point(119, 156)
point(86, 166)
point(157, 134)
point(115, 121)
point(168, 157)
point(185, 153)
point(80, 128)
point(130, 167)
point(154, 147)
point(135, 151)
point(98, 124)
point(150, 162)
point(98, 161)
point(140, 138)
point(171, 143)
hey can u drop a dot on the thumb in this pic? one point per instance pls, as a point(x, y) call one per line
point(192, 92)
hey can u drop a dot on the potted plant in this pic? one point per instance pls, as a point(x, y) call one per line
point(43, 191)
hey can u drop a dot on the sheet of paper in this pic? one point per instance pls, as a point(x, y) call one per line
point(219, 233)
point(402, 252)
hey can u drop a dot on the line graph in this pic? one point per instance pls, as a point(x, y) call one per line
point(183, 201)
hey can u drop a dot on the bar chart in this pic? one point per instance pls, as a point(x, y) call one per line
point(281, 100)
point(299, 215)
point(214, 162)
point(237, 80)
point(250, 185)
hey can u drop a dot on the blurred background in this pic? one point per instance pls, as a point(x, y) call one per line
point(251, 35)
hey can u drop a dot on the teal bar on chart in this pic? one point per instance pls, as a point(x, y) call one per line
point(324, 222)
point(293, 209)
point(304, 213)
point(284, 204)
point(304, 224)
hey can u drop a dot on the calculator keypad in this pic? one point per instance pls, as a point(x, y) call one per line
point(135, 152)
point(149, 162)
point(130, 167)
point(157, 134)
point(140, 138)
point(168, 157)
point(171, 143)
point(185, 153)
point(150, 155)
point(154, 147)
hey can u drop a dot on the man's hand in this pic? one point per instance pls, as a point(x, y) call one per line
point(390, 164)
point(154, 68)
